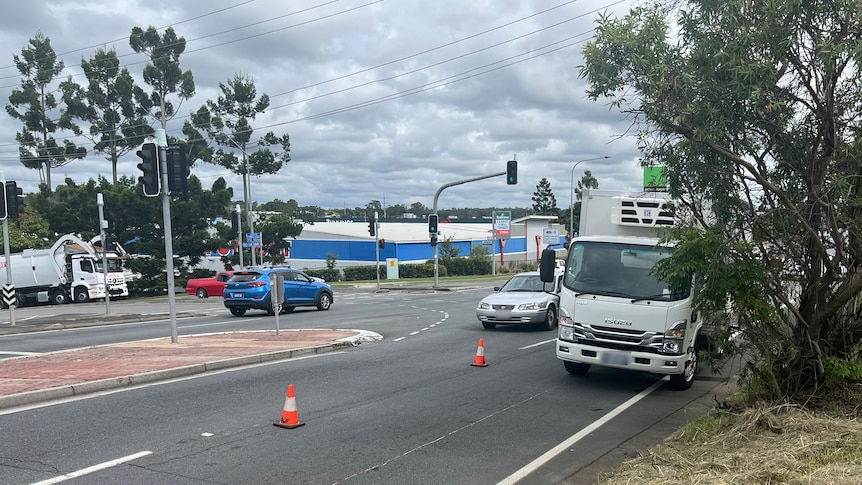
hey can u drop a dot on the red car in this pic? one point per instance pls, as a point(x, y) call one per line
point(205, 287)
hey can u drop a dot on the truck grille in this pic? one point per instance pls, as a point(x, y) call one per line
point(625, 338)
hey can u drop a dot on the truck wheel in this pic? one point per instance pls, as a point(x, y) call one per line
point(237, 312)
point(202, 293)
point(550, 322)
point(59, 297)
point(81, 295)
point(489, 326)
point(576, 368)
point(324, 301)
point(683, 381)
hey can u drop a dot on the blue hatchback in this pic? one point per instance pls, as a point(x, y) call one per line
point(249, 290)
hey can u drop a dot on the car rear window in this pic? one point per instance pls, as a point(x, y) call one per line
point(244, 276)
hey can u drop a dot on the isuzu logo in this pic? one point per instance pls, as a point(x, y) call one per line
point(617, 321)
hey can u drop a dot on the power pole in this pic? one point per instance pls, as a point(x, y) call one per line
point(103, 224)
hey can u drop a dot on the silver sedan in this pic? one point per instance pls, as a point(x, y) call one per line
point(523, 300)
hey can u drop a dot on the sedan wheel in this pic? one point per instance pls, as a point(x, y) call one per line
point(550, 322)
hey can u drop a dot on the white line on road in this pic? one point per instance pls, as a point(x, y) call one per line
point(94, 468)
point(398, 339)
point(9, 352)
point(426, 328)
point(537, 344)
point(550, 454)
point(414, 333)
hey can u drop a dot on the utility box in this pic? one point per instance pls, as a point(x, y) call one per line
point(391, 268)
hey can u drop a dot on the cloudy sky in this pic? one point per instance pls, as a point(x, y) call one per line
point(473, 105)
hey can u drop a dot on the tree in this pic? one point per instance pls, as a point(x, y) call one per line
point(755, 109)
point(587, 181)
point(39, 149)
point(448, 249)
point(278, 229)
point(29, 231)
point(226, 121)
point(372, 207)
point(544, 202)
point(163, 72)
point(112, 104)
point(418, 209)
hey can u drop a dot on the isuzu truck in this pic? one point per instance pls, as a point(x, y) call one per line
point(613, 312)
point(70, 269)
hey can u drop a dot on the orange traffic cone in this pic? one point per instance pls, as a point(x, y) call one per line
point(480, 355)
point(289, 415)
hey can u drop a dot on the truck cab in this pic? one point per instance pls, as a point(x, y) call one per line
point(613, 311)
point(88, 281)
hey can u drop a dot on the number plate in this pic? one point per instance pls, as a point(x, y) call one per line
point(614, 358)
point(237, 295)
point(504, 314)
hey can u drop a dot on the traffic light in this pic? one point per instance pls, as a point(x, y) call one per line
point(433, 240)
point(3, 207)
point(149, 165)
point(512, 172)
point(178, 170)
point(14, 198)
point(234, 221)
point(371, 223)
point(433, 219)
point(381, 243)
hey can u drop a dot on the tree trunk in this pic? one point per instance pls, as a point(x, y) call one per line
point(114, 158)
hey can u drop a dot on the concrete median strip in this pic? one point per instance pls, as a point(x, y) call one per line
point(205, 347)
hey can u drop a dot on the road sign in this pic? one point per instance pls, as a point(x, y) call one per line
point(487, 242)
point(8, 295)
point(503, 224)
point(551, 236)
point(252, 239)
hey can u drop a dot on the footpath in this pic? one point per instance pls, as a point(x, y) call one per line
point(67, 373)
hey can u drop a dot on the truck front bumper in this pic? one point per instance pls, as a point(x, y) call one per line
point(621, 359)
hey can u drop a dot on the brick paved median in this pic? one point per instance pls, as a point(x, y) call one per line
point(70, 367)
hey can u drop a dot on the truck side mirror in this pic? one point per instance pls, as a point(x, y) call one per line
point(547, 266)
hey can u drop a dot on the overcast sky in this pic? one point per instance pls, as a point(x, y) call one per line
point(401, 148)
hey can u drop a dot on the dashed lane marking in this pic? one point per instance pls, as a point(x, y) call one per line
point(94, 468)
point(398, 339)
point(414, 333)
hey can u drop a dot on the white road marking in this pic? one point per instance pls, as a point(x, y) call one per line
point(537, 344)
point(398, 339)
point(64, 400)
point(414, 333)
point(94, 468)
point(207, 435)
point(550, 454)
point(9, 352)
point(426, 328)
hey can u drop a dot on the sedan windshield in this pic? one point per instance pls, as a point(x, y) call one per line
point(524, 283)
point(618, 270)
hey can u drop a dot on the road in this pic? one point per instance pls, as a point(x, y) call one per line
point(409, 409)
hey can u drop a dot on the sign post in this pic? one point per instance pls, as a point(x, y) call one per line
point(276, 296)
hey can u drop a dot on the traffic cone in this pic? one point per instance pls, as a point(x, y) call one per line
point(289, 415)
point(480, 355)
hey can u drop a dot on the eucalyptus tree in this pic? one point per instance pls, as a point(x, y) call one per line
point(35, 105)
point(111, 104)
point(755, 108)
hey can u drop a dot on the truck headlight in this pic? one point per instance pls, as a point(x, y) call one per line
point(671, 346)
point(567, 333)
point(484, 306)
point(531, 306)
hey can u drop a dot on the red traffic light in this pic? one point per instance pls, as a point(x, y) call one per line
point(381, 243)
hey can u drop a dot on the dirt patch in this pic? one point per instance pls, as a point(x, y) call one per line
point(782, 444)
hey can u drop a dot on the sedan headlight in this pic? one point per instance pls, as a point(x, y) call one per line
point(484, 306)
point(532, 306)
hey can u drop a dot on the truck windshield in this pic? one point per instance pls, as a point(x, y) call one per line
point(618, 270)
point(115, 265)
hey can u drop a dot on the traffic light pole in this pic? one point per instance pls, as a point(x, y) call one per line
point(8, 266)
point(239, 235)
point(166, 219)
point(377, 250)
point(102, 225)
point(437, 196)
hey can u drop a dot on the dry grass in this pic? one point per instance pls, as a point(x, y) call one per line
point(778, 445)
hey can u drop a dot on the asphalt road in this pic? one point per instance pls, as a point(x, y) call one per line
point(408, 409)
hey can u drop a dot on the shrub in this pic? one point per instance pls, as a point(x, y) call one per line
point(328, 274)
point(356, 273)
point(425, 270)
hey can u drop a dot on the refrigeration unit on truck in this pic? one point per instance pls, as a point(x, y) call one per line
point(613, 312)
point(70, 269)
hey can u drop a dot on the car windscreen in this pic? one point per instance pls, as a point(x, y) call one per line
point(115, 265)
point(524, 283)
point(245, 276)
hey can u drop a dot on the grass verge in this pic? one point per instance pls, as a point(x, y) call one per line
point(782, 444)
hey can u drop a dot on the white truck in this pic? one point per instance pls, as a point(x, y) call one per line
point(612, 311)
point(70, 269)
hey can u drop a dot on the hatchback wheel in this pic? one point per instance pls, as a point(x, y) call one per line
point(237, 312)
point(324, 301)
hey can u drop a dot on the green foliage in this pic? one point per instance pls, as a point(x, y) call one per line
point(424, 270)
point(544, 202)
point(29, 231)
point(840, 371)
point(331, 260)
point(356, 273)
point(753, 108)
point(328, 274)
point(111, 104)
point(278, 230)
point(448, 249)
point(38, 149)
point(163, 73)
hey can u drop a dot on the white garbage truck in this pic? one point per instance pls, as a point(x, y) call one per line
point(613, 312)
point(70, 270)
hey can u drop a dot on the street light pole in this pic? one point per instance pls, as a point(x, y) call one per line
point(572, 195)
point(103, 224)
